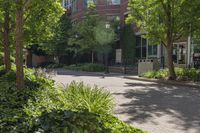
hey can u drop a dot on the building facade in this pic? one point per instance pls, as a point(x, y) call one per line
point(108, 8)
point(183, 52)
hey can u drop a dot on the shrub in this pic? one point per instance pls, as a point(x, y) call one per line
point(88, 67)
point(42, 107)
point(94, 100)
point(184, 74)
point(50, 65)
point(2, 71)
point(13, 118)
point(81, 122)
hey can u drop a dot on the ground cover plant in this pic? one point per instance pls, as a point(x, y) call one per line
point(88, 67)
point(43, 107)
point(184, 74)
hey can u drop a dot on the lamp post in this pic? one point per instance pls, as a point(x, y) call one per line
point(106, 53)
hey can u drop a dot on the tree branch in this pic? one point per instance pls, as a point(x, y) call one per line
point(26, 4)
point(164, 43)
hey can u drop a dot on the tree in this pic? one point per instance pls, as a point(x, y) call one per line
point(105, 36)
point(31, 10)
point(6, 27)
point(58, 44)
point(83, 34)
point(19, 44)
point(129, 44)
point(165, 21)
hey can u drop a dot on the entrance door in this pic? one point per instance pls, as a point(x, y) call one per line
point(180, 53)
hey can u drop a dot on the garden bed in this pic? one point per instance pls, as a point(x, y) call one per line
point(87, 67)
point(40, 107)
point(183, 74)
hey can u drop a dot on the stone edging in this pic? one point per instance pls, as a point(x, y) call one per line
point(181, 83)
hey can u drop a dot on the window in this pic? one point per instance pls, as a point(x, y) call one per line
point(74, 6)
point(113, 2)
point(152, 50)
point(66, 3)
point(141, 47)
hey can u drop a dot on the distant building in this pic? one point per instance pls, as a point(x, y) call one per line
point(117, 9)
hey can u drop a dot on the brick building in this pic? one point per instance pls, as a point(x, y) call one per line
point(117, 9)
point(108, 8)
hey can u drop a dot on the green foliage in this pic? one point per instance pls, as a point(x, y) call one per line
point(129, 42)
point(41, 107)
point(104, 35)
point(52, 66)
point(156, 18)
point(41, 18)
point(92, 34)
point(95, 100)
point(184, 74)
point(81, 122)
point(1, 58)
point(88, 67)
point(58, 44)
point(83, 33)
point(2, 71)
point(13, 100)
point(161, 74)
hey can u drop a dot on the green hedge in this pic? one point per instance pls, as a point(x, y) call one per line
point(40, 107)
point(184, 74)
point(81, 122)
point(88, 67)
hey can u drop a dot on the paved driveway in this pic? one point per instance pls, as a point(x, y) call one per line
point(156, 108)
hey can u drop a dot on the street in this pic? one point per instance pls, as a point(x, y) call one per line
point(156, 108)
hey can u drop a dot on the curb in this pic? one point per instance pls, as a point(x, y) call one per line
point(181, 83)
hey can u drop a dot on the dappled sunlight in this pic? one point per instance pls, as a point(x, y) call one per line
point(151, 101)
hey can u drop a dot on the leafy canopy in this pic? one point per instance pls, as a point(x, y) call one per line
point(156, 17)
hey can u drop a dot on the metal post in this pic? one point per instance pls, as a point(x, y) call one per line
point(189, 51)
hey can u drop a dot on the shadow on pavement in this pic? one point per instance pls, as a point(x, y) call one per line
point(150, 100)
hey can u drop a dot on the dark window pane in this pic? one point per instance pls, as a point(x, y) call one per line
point(138, 41)
point(144, 52)
point(150, 52)
point(154, 50)
point(144, 42)
point(138, 52)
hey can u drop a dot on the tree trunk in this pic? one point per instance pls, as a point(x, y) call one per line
point(172, 74)
point(6, 45)
point(169, 39)
point(19, 45)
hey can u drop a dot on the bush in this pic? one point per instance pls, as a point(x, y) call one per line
point(88, 67)
point(42, 107)
point(50, 65)
point(94, 100)
point(81, 122)
point(184, 74)
point(2, 71)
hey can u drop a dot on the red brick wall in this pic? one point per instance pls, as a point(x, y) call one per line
point(102, 9)
point(123, 9)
